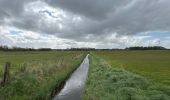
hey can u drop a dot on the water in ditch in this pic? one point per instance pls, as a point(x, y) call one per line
point(74, 86)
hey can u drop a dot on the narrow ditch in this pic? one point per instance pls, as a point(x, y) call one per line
point(73, 87)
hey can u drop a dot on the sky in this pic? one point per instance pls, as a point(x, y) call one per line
point(84, 23)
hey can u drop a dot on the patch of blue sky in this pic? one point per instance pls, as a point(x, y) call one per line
point(155, 35)
point(50, 13)
point(15, 32)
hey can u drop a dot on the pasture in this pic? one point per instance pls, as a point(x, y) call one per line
point(106, 82)
point(44, 73)
point(154, 65)
point(113, 75)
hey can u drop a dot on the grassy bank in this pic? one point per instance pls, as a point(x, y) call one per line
point(110, 83)
point(45, 71)
point(154, 65)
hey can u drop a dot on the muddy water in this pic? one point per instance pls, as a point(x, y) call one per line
point(75, 84)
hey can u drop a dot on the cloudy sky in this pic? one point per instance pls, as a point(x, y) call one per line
point(84, 23)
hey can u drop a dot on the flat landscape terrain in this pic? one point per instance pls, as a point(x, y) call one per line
point(36, 74)
point(128, 75)
point(154, 65)
point(113, 75)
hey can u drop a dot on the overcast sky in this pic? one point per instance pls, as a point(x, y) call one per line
point(84, 23)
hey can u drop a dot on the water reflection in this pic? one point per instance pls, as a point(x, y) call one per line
point(75, 84)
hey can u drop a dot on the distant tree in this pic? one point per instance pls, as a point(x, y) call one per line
point(4, 48)
point(44, 49)
point(146, 48)
point(81, 49)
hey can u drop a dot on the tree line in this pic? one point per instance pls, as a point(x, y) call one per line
point(6, 48)
point(146, 48)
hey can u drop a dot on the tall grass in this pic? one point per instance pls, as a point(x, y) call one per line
point(108, 83)
point(41, 75)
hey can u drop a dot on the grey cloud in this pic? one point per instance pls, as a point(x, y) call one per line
point(90, 8)
point(100, 18)
point(12, 7)
point(122, 16)
point(14, 12)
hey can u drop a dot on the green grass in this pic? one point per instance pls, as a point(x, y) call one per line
point(154, 65)
point(18, 58)
point(44, 72)
point(107, 82)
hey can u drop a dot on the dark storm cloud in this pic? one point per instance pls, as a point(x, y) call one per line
point(12, 13)
point(96, 9)
point(32, 22)
point(99, 18)
point(125, 17)
point(10, 8)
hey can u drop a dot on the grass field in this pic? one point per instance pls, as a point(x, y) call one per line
point(113, 75)
point(154, 65)
point(44, 72)
point(114, 83)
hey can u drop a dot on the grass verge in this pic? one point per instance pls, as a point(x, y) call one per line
point(108, 83)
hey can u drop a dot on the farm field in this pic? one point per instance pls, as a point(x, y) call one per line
point(113, 75)
point(154, 65)
point(106, 82)
point(36, 74)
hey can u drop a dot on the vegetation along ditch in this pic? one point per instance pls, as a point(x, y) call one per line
point(45, 71)
point(109, 83)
